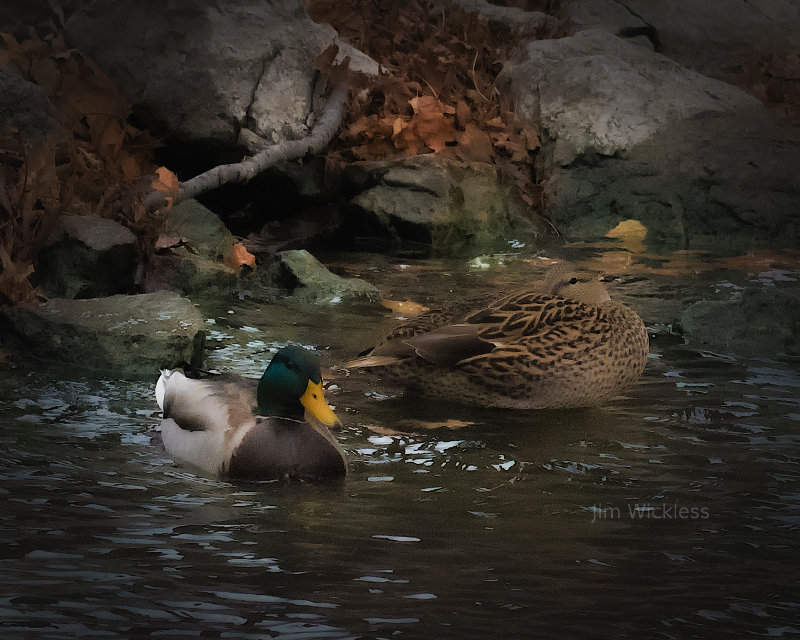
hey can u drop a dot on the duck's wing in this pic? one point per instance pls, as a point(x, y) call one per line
point(394, 347)
point(519, 324)
point(522, 325)
point(527, 312)
point(531, 316)
point(540, 328)
point(434, 334)
point(449, 344)
point(203, 420)
point(207, 405)
point(443, 346)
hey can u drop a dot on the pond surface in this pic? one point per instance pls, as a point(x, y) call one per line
point(670, 513)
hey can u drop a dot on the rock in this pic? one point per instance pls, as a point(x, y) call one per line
point(202, 229)
point(24, 109)
point(522, 22)
point(635, 136)
point(596, 93)
point(46, 16)
point(723, 180)
point(715, 38)
point(761, 322)
point(87, 257)
point(458, 207)
point(187, 273)
point(126, 336)
point(198, 265)
point(308, 279)
point(234, 74)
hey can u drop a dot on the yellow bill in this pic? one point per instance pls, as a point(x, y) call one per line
point(314, 402)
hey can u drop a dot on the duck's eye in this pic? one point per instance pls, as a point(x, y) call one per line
point(573, 281)
point(314, 396)
point(290, 366)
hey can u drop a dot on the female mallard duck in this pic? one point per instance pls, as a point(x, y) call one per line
point(566, 344)
point(231, 428)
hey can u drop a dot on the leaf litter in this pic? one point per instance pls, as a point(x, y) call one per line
point(439, 93)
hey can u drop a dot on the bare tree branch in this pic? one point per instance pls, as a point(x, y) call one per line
point(315, 142)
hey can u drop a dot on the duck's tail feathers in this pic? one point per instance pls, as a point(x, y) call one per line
point(161, 387)
point(371, 361)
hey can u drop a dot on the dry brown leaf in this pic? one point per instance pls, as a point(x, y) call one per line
point(436, 59)
point(430, 107)
point(450, 423)
point(129, 165)
point(10, 41)
point(46, 74)
point(107, 135)
point(166, 182)
point(463, 114)
point(531, 136)
point(474, 145)
point(432, 125)
point(240, 257)
point(324, 60)
point(360, 126)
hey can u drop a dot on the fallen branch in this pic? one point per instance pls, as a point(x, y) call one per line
point(244, 171)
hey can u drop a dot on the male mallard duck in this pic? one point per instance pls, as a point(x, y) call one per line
point(230, 428)
point(566, 344)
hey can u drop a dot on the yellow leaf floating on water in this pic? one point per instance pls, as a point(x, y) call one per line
point(406, 307)
point(414, 427)
point(631, 234)
point(450, 423)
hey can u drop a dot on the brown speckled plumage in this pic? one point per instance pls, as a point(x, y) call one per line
point(565, 344)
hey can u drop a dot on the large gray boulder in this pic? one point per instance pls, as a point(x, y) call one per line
point(719, 39)
point(630, 134)
point(522, 22)
point(596, 93)
point(459, 207)
point(760, 322)
point(232, 74)
point(87, 257)
point(46, 16)
point(126, 336)
point(712, 180)
point(24, 109)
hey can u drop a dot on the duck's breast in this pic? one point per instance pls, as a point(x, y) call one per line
point(286, 448)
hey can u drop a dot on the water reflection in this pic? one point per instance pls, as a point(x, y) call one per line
point(672, 512)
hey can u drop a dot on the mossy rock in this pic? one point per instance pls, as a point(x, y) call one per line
point(457, 207)
point(307, 278)
point(123, 336)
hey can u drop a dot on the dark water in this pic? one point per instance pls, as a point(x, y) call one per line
point(670, 513)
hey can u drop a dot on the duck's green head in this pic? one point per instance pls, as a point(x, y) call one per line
point(292, 384)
